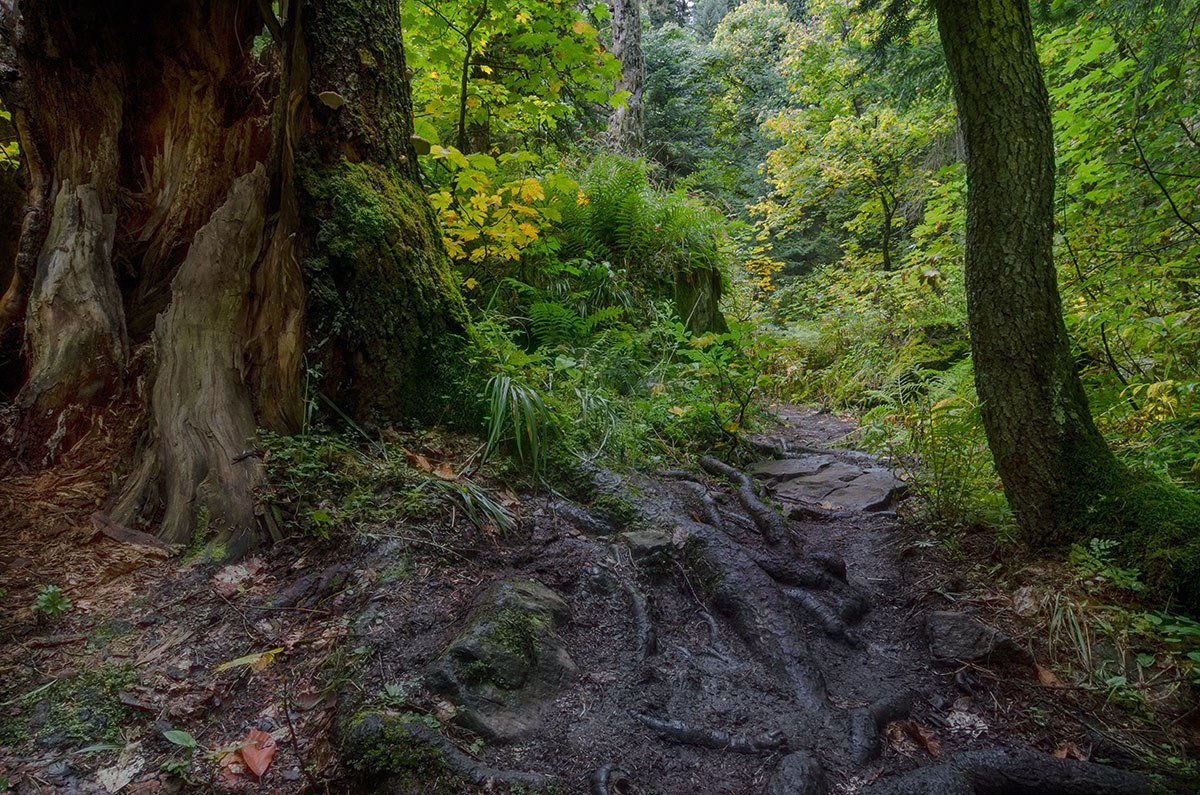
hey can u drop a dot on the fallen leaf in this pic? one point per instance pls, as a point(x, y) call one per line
point(232, 578)
point(445, 471)
point(128, 765)
point(1070, 751)
point(1047, 677)
point(444, 711)
point(255, 662)
point(258, 751)
point(1024, 603)
point(908, 736)
point(924, 737)
point(418, 461)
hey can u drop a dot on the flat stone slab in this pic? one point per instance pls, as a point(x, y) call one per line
point(825, 481)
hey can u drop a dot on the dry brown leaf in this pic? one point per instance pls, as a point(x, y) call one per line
point(924, 738)
point(907, 736)
point(258, 751)
point(1047, 677)
point(1070, 750)
point(418, 461)
point(445, 471)
point(234, 577)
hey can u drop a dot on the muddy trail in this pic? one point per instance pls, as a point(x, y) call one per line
point(760, 630)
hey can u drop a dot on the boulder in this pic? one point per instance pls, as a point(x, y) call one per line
point(959, 638)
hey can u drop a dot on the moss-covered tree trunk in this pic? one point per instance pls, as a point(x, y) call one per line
point(1060, 476)
point(200, 219)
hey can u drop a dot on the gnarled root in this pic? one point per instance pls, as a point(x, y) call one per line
point(867, 724)
point(770, 523)
point(680, 732)
point(611, 780)
point(1001, 771)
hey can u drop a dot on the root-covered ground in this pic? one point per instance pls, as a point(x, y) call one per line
point(701, 631)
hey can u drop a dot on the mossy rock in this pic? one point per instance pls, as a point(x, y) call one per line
point(507, 661)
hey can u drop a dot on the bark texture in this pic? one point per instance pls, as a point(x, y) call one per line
point(196, 211)
point(625, 125)
point(1052, 459)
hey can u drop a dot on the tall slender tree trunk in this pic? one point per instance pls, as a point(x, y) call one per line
point(200, 220)
point(625, 125)
point(1052, 460)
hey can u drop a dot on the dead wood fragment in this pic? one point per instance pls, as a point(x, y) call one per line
point(680, 732)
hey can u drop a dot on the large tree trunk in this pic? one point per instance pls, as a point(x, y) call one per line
point(214, 209)
point(625, 125)
point(1060, 477)
point(1047, 449)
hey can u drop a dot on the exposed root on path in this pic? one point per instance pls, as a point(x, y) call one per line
point(868, 723)
point(611, 780)
point(772, 525)
point(998, 771)
point(680, 732)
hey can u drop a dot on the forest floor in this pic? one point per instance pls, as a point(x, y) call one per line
point(668, 634)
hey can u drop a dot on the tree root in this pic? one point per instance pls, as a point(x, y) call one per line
point(867, 724)
point(680, 732)
point(999, 771)
point(831, 623)
point(611, 780)
point(647, 640)
point(769, 522)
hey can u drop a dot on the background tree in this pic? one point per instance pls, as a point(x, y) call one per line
point(215, 196)
point(626, 131)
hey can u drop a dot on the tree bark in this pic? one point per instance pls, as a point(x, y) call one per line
point(625, 125)
point(228, 214)
point(1053, 461)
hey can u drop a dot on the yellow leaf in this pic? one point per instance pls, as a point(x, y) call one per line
point(471, 283)
point(255, 662)
point(678, 411)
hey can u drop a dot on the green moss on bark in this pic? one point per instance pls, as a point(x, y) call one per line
point(383, 303)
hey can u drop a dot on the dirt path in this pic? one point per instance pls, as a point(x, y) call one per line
point(663, 634)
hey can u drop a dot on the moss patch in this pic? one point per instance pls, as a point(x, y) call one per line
point(84, 708)
point(382, 298)
point(379, 745)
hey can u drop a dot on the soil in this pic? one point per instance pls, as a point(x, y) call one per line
point(739, 652)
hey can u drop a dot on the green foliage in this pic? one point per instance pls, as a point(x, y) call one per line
point(51, 602)
point(1096, 563)
point(10, 148)
point(490, 72)
point(881, 325)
